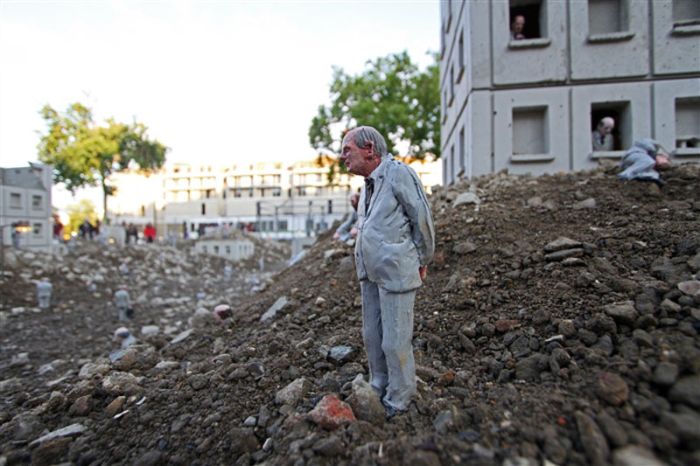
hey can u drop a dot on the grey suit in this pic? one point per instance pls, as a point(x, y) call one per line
point(395, 237)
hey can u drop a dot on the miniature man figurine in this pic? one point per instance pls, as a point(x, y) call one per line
point(123, 303)
point(643, 160)
point(517, 28)
point(395, 243)
point(347, 230)
point(602, 138)
point(43, 294)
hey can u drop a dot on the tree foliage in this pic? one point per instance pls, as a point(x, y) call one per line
point(392, 95)
point(84, 153)
point(77, 213)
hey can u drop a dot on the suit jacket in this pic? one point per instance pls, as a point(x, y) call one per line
point(395, 231)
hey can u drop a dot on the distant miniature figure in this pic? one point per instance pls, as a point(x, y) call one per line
point(643, 160)
point(347, 230)
point(57, 228)
point(149, 232)
point(131, 233)
point(123, 336)
point(86, 229)
point(602, 137)
point(517, 28)
point(123, 303)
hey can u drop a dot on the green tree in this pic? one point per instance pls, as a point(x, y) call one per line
point(392, 95)
point(77, 213)
point(84, 153)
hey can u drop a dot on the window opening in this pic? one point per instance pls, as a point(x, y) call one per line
point(621, 134)
point(607, 16)
point(688, 123)
point(530, 131)
point(533, 14)
point(686, 12)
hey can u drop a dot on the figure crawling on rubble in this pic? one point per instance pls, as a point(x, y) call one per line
point(395, 243)
point(643, 162)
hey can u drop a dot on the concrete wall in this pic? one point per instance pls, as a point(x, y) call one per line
point(613, 55)
point(676, 48)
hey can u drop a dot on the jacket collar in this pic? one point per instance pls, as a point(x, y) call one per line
point(377, 177)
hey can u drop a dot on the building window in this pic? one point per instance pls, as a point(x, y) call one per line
point(204, 209)
point(15, 200)
point(622, 132)
point(449, 16)
point(453, 165)
point(216, 250)
point(442, 41)
point(204, 249)
point(37, 229)
point(444, 105)
point(530, 131)
point(462, 158)
point(686, 12)
point(534, 13)
point(607, 17)
point(688, 123)
point(36, 202)
point(228, 250)
point(460, 57)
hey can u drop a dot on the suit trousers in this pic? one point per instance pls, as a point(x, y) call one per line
point(387, 331)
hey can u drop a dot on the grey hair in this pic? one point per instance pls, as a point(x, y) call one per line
point(364, 134)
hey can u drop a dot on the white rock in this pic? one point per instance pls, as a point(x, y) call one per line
point(150, 330)
point(73, 429)
point(274, 309)
point(467, 198)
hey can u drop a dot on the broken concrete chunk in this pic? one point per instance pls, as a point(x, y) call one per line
point(274, 309)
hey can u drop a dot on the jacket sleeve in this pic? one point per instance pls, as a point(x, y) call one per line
point(409, 192)
point(347, 225)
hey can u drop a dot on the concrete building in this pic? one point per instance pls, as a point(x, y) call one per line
point(233, 249)
point(25, 197)
point(530, 105)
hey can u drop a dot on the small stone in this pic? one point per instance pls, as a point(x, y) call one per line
point(341, 354)
point(642, 338)
point(562, 243)
point(464, 247)
point(635, 455)
point(365, 402)
point(274, 309)
point(81, 406)
point(331, 447)
point(687, 391)
point(560, 255)
point(691, 287)
point(612, 388)
point(250, 421)
point(115, 406)
point(615, 433)
point(623, 313)
point(665, 374)
point(567, 328)
point(594, 444)
point(121, 383)
point(331, 413)
point(293, 393)
point(150, 458)
point(466, 198)
point(51, 451)
point(585, 204)
point(685, 425)
point(243, 440)
point(505, 325)
point(670, 306)
point(150, 330)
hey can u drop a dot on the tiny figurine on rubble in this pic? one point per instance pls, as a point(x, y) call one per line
point(228, 272)
point(123, 303)
point(123, 336)
point(643, 161)
point(43, 293)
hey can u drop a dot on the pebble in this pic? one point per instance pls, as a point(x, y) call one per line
point(623, 313)
point(687, 391)
point(665, 374)
point(611, 388)
point(293, 393)
point(592, 439)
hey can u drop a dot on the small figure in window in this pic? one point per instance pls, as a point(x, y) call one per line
point(602, 137)
point(643, 160)
point(517, 28)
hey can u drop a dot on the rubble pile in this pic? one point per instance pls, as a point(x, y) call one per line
point(558, 323)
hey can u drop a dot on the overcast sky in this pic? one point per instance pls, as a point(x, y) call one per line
point(216, 81)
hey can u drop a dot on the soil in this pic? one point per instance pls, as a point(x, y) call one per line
point(583, 351)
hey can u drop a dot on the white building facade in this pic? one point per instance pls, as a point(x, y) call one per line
point(530, 105)
point(25, 198)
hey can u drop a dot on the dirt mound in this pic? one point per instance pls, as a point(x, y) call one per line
point(559, 321)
